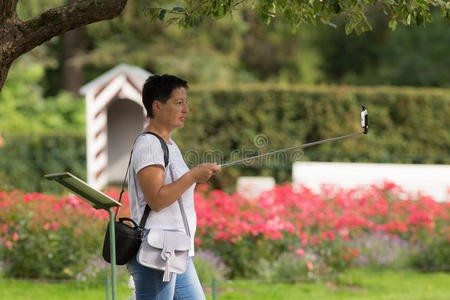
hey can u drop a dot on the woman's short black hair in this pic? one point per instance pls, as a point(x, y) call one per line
point(160, 87)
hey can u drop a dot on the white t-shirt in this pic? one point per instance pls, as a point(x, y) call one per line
point(148, 151)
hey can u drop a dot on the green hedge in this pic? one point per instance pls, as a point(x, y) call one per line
point(407, 125)
point(25, 158)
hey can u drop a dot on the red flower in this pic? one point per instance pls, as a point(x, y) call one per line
point(55, 226)
point(9, 244)
point(46, 226)
point(300, 252)
point(304, 238)
point(330, 235)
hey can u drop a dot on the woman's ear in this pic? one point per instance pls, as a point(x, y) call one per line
point(156, 106)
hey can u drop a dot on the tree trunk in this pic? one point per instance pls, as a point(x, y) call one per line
point(4, 68)
point(18, 37)
point(72, 70)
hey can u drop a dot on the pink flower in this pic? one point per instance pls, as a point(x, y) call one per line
point(27, 198)
point(9, 244)
point(330, 235)
point(304, 238)
point(15, 236)
point(309, 265)
point(46, 226)
point(55, 226)
point(300, 252)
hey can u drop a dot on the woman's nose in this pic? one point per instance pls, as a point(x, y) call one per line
point(186, 108)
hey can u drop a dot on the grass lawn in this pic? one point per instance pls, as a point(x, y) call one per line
point(354, 284)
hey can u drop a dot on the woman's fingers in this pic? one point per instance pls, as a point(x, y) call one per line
point(217, 168)
point(204, 171)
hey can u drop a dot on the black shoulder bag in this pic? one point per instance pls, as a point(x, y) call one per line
point(128, 238)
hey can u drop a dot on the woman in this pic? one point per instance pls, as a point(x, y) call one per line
point(164, 98)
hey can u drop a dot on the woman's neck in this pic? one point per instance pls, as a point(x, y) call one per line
point(159, 130)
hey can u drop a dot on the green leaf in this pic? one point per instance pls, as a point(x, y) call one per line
point(393, 24)
point(162, 14)
point(287, 14)
point(348, 28)
point(419, 19)
point(337, 7)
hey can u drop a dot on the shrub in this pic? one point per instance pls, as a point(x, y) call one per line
point(407, 125)
point(209, 266)
point(245, 232)
point(381, 250)
point(25, 158)
point(282, 232)
point(47, 236)
point(433, 253)
point(97, 269)
point(289, 266)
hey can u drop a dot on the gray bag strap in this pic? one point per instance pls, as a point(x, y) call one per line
point(183, 213)
point(166, 162)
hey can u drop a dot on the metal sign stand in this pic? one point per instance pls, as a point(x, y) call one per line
point(98, 200)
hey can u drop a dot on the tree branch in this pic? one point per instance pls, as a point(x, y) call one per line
point(7, 10)
point(59, 20)
point(18, 37)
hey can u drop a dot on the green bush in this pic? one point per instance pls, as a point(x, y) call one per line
point(407, 125)
point(25, 108)
point(97, 269)
point(379, 250)
point(433, 254)
point(209, 266)
point(41, 134)
point(47, 237)
point(25, 158)
point(245, 255)
point(289, 266)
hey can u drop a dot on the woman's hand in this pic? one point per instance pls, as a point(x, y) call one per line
point(203, 172)
point(158, 195)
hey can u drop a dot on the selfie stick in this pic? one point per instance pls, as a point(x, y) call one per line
point(364, 125)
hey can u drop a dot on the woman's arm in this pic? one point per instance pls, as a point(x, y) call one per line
point(158, 195)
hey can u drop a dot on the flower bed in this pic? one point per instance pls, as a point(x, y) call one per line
point(45, 236)
point(319, 228)
point(283, 232)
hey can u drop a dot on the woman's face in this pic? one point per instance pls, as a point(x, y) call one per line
point(173, 112)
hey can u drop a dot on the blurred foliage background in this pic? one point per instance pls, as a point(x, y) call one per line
point(241, 48)
point(40, 97)
point(407, 125)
